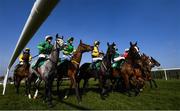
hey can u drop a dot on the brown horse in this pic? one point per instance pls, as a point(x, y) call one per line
point(21, 72)
point(148, 64)
point(86, 72)
point(70, 68)
point(128, 70)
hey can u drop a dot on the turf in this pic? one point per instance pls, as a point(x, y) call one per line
point(165, 97)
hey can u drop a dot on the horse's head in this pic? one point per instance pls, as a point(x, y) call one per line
point(59, 42)
point(84, 47)
point(154, 62)
point(134, 50)
point(111, 49)
point(146, 63)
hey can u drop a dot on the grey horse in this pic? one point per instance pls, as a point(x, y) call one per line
point(46, 72)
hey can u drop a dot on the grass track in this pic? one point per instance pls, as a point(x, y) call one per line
point(165, 97)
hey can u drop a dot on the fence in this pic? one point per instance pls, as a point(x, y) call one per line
point(169, 73)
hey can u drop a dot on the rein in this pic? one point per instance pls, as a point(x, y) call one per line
point(104, 65)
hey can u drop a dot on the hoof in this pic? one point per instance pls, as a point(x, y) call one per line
point(34, 97)
point(29, 96)
point(65, 97)
point(79, 102)
point(141, 90)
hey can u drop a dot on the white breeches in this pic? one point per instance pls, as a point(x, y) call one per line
point(67, 57)
point(118, 58)
point(42, 55)
point(96, 59)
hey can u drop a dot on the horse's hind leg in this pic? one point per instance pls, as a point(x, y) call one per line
point(85, 86)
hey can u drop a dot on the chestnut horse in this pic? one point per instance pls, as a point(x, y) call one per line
point(21, 72)
point(127, 70)
point(102, 73)
point(70, 69)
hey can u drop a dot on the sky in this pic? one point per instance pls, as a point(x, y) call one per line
point(154, 24)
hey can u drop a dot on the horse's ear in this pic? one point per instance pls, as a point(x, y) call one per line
point(152, 58)
point(135, 43)
point(131, 43)
point(108, 43)
point(57, 35)
point(113, 43)
point(62, 37)
point(80, 41)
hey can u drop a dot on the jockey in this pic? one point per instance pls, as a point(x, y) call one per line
point(23, 58)
point(44, 50)
point(117, 58)
point(126, 53)
point(96, 54)
point(68, 49)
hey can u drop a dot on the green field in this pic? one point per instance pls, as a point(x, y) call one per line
point(165, 97)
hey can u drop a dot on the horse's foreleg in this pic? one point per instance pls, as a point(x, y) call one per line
point(70, 88)
point(26, 86)
point(102, 90)
point(49, 91)
point(16, 83)
point(126, 81)
point(76, 90)
point(59, 82)
point(154, 83)
point(29, 80)
point(37, 84)
point(29, 87)
point(150, 83)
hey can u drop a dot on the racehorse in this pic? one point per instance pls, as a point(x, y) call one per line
point(70, 69)
point(46, 72)
point(127, 70)
point(148, 64)
point(102, 73)
point(85, 73)
point(21, 72)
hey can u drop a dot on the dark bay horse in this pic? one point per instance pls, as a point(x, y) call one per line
point(127, 70)
point(46, 72)
point(71, 68)
point(102, 73)
point(21, 72)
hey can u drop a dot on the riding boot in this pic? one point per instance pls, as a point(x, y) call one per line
point(37, 63)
